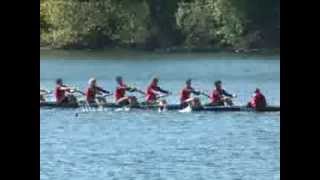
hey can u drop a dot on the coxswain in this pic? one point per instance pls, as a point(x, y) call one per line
point(153, 94)
point(258, 100)
point(120, 93)
point(63, 93)
point(185, 97)
point(220, 97)
point(94, 93)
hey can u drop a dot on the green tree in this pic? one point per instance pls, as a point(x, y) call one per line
point(77, 23)
point(210, 22)
point(159, 23)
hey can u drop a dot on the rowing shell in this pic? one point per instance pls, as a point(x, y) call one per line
point(169, 107)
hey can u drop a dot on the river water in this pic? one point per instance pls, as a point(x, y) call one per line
point(151, 145)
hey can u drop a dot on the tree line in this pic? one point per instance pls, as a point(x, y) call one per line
point(152, 24)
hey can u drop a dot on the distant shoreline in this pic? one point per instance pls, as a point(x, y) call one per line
point(181, 50)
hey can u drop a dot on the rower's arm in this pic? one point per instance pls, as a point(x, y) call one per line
point(103, 90)
point(127, 88)
point(65, 88)
point(131, 89)
point(195, 92)
point(161, 90)
point(155, 91)
point(226, 93)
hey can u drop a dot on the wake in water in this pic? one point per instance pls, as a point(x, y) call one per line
point(188, 109)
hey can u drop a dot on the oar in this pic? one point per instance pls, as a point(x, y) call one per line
point(78, 91)
point(107, 94)
point(204, 94)
point(158, 97)
point(233, 96)
point(137, 90)
point(140, 91)
point(45, 92)
point(163, 95)
point(74, 89)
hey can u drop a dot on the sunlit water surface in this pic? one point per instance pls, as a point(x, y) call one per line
point(151, 145)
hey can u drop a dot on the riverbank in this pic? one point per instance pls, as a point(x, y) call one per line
point(181, 50)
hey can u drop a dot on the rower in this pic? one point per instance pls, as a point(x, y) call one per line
point(258, 100)
point(153, 92)
point(220, 97)
point(63, 93)
point(93, 90)
point(186, 99)
point(120, 97)
point(43, 92)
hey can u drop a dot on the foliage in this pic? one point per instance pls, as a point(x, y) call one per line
point(158, 23)
point(75, 23)
point(206, 22)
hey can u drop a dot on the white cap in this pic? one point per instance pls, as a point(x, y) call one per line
point(91, 80)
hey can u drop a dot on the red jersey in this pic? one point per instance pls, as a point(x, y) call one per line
point(91, 94)
point(185, 94)
point(258, 101)
point(60, 93)
point(120, 91)
point(151, 96)
point(216, 96)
